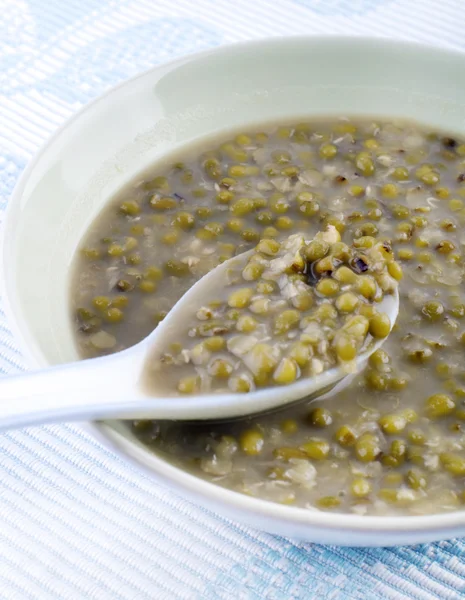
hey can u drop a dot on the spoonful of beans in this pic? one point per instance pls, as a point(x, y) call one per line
point(285, 321)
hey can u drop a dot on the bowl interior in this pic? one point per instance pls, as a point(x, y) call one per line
point(139, 122)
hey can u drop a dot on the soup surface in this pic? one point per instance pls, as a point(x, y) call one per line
point(393, 442)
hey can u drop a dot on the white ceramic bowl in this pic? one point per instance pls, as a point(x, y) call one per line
point(133, 125)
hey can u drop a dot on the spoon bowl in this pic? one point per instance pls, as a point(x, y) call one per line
point(115, 386)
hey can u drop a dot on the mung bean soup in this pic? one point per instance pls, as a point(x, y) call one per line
point(283, 311)
point(392, 442)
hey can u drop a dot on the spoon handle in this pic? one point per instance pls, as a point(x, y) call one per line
point(84, 390)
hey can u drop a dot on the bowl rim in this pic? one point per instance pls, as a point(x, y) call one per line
point(162, 469)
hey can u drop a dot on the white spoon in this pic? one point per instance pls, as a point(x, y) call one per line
point(112, 386)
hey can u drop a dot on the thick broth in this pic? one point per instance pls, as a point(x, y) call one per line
point(393, 442)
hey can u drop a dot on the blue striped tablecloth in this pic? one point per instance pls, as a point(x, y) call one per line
point(76, 522)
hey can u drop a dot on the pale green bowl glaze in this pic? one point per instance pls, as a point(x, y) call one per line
point(140, 121)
